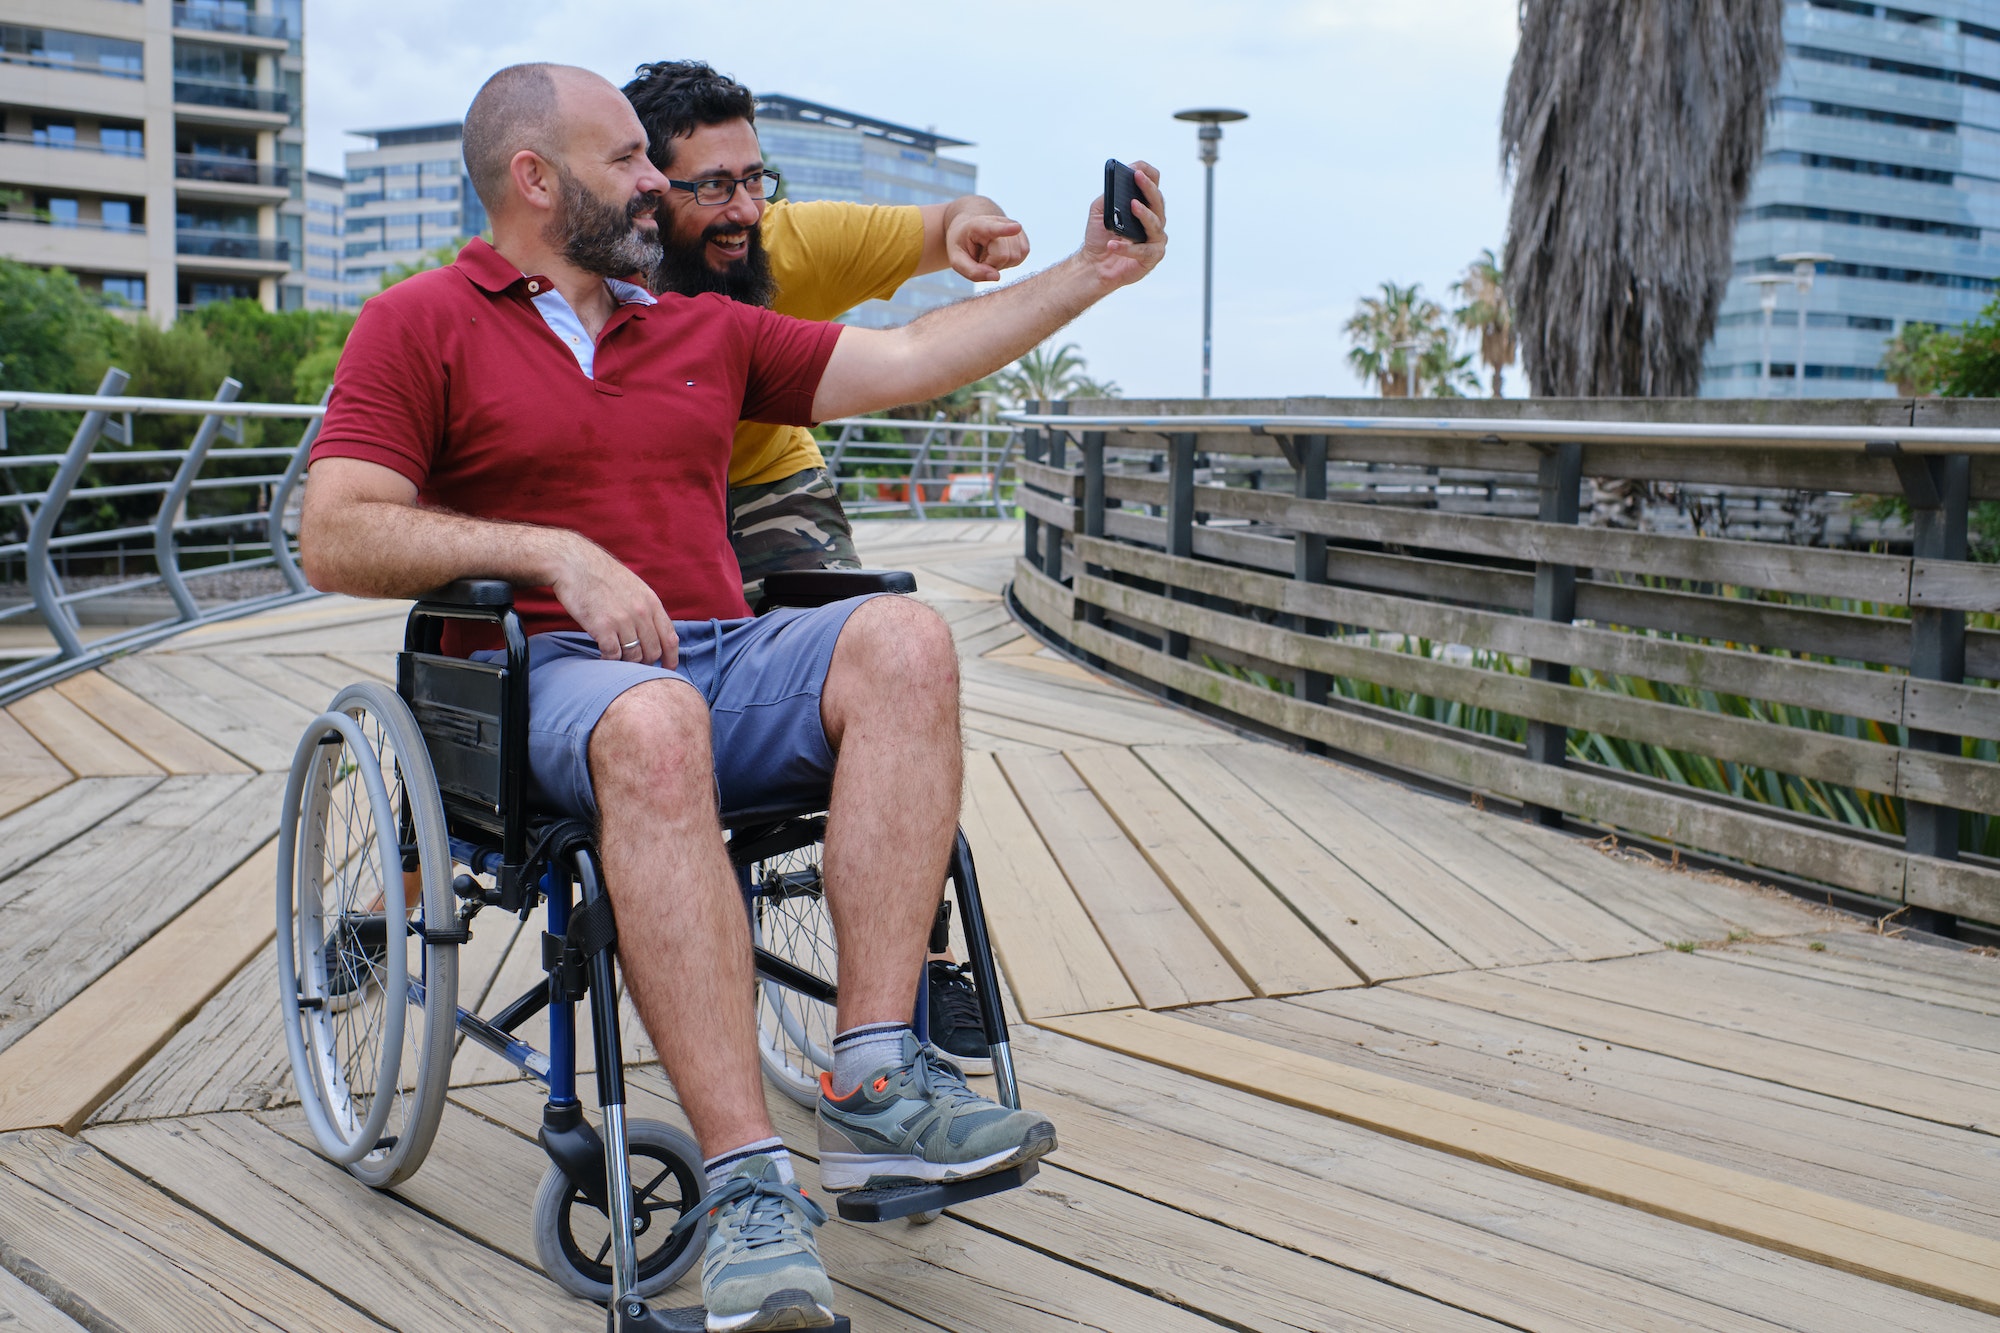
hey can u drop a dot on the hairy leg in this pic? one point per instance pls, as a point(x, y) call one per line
point(890, 707)
point(683, 937)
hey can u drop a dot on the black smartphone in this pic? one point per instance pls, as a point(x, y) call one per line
point(1121, 187)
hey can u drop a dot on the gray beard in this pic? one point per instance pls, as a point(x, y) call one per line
point(602, 238)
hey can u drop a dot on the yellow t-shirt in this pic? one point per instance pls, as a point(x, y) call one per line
point(827, 257)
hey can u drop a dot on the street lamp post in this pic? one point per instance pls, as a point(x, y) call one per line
point(1804, 264)
point(1767, 297)
point(1211, 121)
point(1409, 349)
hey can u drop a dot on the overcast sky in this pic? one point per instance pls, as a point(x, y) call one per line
point(1371, 151)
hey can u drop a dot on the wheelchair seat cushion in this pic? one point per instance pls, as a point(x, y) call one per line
point(762, 679)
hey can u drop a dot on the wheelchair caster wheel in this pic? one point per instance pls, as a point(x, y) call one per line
point(573, 1238)
point(926, 1217)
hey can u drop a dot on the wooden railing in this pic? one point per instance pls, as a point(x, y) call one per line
point(1527, 660)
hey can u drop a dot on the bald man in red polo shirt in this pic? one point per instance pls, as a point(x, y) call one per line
point(524, 415)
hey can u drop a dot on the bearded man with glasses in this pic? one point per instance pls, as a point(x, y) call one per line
point(722, 232)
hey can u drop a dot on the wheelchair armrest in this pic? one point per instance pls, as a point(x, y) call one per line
point(817, 587)
point(471, 595)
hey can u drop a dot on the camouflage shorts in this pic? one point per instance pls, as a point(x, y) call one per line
point(793, 523)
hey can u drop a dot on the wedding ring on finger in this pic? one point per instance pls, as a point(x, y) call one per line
point(633, 644)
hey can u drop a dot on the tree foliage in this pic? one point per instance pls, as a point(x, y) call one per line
point(1911, 359)
point(1402, 339)
point(53, 339)
point(1049, 374)
point(1486, 314)
point(1632, 130)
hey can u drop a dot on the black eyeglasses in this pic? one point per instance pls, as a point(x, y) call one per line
point(719, 191)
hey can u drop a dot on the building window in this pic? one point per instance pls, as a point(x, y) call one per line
point(122, 140)
point(117, 215)
point(291, 297)
point(208, 293)
point(215, 64)
point(52, 48)
point(61, 211)
point(51, 133)
point(124, 291)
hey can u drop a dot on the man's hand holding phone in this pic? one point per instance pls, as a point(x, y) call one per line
point(1126, 236)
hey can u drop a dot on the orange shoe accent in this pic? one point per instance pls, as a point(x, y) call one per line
point(881, 1083)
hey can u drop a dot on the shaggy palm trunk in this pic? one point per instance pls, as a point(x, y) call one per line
point(1632, 128)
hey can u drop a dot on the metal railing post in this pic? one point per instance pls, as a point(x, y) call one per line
point(1052, 536)
point(1091, 521)
point(999, 468)
point(43, 583)
point(281, 546)
point(1180, 520)
point(1559, 476)
point(1938, 488)
point(917, 467)
point(1034, 448)
point(1309, 553)
point(167, 551)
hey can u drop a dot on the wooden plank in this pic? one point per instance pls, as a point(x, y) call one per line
point(1352, 801)
point(1028, 733)
point(28, 771)
point(25, 1310)
point(332, 675)
point(1052, 704)
point(1054, 958)
point(1836, 959)
point(1891, 1033)
point(1710, 826)
point(389, 1260)
point(318, 613)
point(75, 914)
point(1161, 950)
point(1920, 1170)
point(33, 832)
point(250, 722)
point(381, 666)
point(229, 1057)
point(515, 973)
point(1374, 935)
point(144, 727)
point(76, 739)
point(1844, 690)
point(1528, 1253)
point(276, 675)
point(135, 1260)
point(1263, 939)
point(1917, 1256)
point(64, 1068)
point(1933, 1096)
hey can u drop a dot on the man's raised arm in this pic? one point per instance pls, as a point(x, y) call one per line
point(973, 236)
point(876, 368)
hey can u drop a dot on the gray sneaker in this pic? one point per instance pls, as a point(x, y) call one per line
point(917, 1121)
point(761, 1269)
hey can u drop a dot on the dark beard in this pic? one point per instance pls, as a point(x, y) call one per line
point(684, 268)
point(603, 238)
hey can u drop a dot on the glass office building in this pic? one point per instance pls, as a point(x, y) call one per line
point(1882, 153)
point(407, 197)
point(825, 153)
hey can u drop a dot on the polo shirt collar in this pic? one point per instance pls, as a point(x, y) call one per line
point(490, 271)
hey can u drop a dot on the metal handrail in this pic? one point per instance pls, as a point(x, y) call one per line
point(926, 447)
point(1502, 430)
point(107, 420)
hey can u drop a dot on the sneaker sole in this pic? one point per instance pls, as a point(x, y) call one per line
point(842, 1171)
point(790, 1308)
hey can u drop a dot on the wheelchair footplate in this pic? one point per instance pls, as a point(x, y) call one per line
point(887, 1202)
point(686, 1319)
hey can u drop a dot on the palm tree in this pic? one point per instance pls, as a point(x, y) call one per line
point(1386, 330)
point(1632, 128)
point(1048, 374)
point(1486, 313)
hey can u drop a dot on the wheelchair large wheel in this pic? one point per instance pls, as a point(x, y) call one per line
point(367, 999)
point(573, 1236)
point(788, 917)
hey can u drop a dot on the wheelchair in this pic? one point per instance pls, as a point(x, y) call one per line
point(405, 816)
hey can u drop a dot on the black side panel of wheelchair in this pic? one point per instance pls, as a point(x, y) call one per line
point(457, 705)
point(688, 1319)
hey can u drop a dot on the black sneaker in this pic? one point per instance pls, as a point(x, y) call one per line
point(954, 1018)
point(355, 955)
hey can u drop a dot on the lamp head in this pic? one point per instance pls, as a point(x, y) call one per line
point(1211, 120)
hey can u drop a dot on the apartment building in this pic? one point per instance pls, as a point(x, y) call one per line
point(325, 247)
point(1881, 172)
point(407, 196)
point(155, 149)
point(826, 153)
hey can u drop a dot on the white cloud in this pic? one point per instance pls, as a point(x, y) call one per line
point(1371, 152)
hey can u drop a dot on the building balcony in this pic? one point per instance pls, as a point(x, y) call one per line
point(231, 104)
point(26, 165)
point(234, 247)
point(87, 246)
point(262, 30)
point(232, 179)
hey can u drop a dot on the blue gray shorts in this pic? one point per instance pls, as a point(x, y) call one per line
point(762, 679)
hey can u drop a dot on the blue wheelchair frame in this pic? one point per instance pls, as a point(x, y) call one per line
point(473, 717)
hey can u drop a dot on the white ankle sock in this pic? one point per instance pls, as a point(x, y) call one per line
point(859, 1052)
point(719, 1166)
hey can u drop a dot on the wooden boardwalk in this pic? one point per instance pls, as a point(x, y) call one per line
point(1324, 1053)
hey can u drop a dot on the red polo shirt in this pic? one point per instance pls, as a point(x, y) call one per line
point(453, 379)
